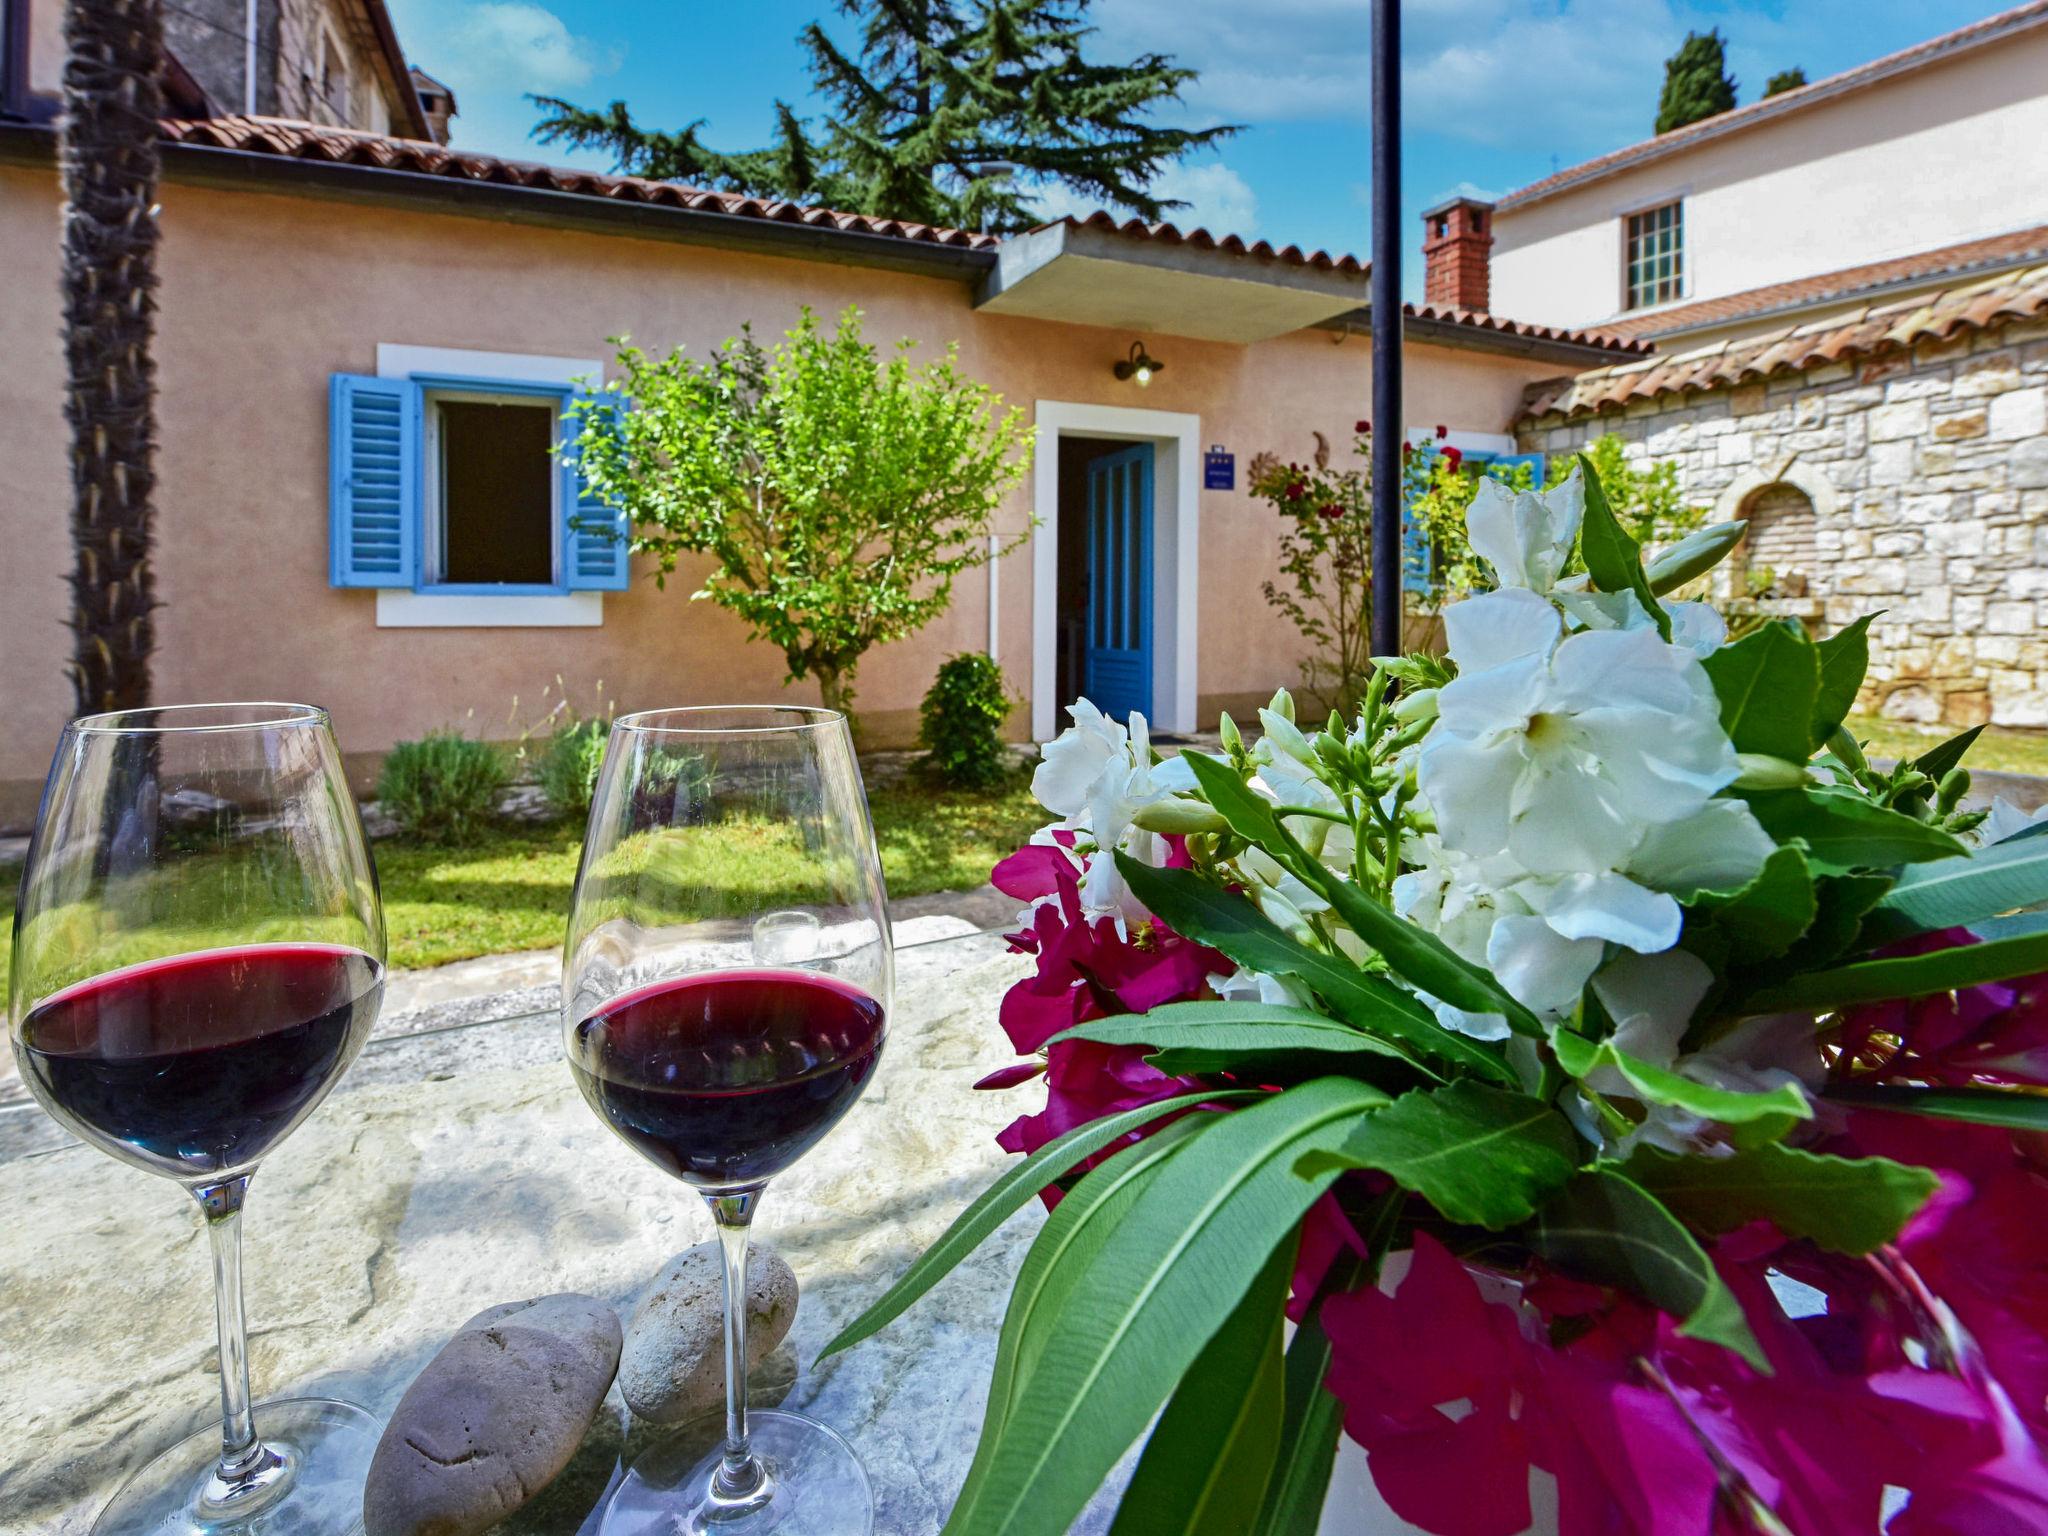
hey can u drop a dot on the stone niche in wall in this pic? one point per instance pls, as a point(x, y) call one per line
point(1913, 482)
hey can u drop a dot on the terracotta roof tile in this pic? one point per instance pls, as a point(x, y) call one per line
point(1955, 311)
point(1935, 48)
point(2014, 248)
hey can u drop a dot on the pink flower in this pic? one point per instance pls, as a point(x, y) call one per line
point(1997, 1032)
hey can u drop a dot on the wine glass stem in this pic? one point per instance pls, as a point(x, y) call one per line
point(222, 1207)
point(740, 1477)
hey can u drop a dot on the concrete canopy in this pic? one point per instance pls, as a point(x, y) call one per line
point(1087, 275)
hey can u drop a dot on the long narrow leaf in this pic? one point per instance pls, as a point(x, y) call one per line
point(1872, 981)
point(1230, 923)
point(1844, 658)
point(1001, 1200)
point(1310, 1423)
point(1613, 559)
point(1207, 1462)
point(1416, 955)
point(1956, 893)
point(1059, 1258)
point(1767, 683)
point(1169, 1274)
point(1938, 760)
point(1237, 1037)
point(1845, 1204)
point(1609, 1229)
point(2021, 1108)
point(1843, 831)
point(1659, 1085)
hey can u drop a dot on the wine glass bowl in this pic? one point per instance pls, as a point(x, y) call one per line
point(198, 956)
point(726, 986)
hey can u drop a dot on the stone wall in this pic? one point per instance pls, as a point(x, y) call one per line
point(1927, 471)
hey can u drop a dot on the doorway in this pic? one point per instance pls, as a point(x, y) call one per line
point(1106, 557)
point(1145, 467)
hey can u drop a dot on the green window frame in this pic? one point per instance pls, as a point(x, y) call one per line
point(1655, 268)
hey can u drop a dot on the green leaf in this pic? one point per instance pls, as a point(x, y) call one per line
point(1231, 924)
point(1767, 916)
point(1482, 1157)
point(1206, 1465)
point(1243, 1038)
point(1059, 1258)
point(1937, 761)
point(1606, 1228)
point(1843, 831)
point(1657, 1085)
point(1613, 559)
point(1841, 902)
point(1844, 658)
point(1768, 683)
point(1875, 981)
point(1416, 955)
point(2011, 927)
point(2021, 1108)
point(1309, 1426)
point(996, 1204)
point(1849, 1205)
point(1174, 1268)
point(1955, 893)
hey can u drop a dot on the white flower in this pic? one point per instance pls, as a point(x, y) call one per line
point(1695, 626)
point(1526, 536)
point(1567, 753)
point(1097, 775)
point(2008, 820)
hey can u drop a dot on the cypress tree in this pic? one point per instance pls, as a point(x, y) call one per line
point(948, 112)
point(1696, 81)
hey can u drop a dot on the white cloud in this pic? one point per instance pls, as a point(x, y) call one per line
point(523, 45)
point(1219, 200)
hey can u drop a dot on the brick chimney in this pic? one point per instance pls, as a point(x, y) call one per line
point(436, 101)
point(1456, 236)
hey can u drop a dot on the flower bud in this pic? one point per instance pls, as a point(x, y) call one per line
point(1283, 914)
point(1954, 785)
point(1762, 771)
point(1233, 742)
point(1419, 705)
point(1282, 704)
point(1693, 556)
point(1283, 736)
point(1176, 814)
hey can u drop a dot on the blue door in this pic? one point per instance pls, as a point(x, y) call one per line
point(1116, 671)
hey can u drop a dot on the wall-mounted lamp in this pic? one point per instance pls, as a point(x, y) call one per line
point(1140, 365)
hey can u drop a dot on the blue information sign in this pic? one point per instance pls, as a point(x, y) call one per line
point(1219, 469)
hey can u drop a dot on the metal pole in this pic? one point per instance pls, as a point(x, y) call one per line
point(1387, 425)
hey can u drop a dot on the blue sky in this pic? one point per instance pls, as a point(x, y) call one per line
point(1497, 93)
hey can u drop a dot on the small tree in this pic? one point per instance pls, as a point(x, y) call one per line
point(1325, 585)
point(840, 492)
point(1696, 81)
point(1785, 80)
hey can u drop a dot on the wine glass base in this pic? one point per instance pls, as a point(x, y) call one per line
point(817, 1486)
point(325, 1448)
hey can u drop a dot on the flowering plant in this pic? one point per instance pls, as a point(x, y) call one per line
point(1610, 1072)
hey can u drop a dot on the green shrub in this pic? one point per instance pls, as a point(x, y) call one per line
point(443, 789)
point(569, 765)
point(963, 716)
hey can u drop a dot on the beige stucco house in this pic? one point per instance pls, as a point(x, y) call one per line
point(366, 338)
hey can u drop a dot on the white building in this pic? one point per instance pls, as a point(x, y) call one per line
point(1892, 165)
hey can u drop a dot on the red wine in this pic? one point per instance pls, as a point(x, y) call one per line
point(198, 1064)
point(726, 1078)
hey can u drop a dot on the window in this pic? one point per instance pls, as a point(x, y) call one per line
point(334, 83)
point(491, 494)
point(1656, 253)
point(450, 487)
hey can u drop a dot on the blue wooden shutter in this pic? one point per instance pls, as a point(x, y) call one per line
point(1418, 559)
point(594, 547)
point(373, 482)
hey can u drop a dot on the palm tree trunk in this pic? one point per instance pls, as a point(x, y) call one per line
point(108, 164)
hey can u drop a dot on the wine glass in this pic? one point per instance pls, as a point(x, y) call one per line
point(725, 987)
point(198, 956)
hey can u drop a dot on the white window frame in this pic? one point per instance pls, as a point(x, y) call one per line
point(398, 608)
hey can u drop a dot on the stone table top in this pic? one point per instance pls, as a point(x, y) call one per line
point(459, 1167)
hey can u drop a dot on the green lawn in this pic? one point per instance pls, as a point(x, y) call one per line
point(511, 891)
point(2006, 750)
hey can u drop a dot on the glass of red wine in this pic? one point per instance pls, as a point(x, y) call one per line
point(198, 956)
point(725, 990)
